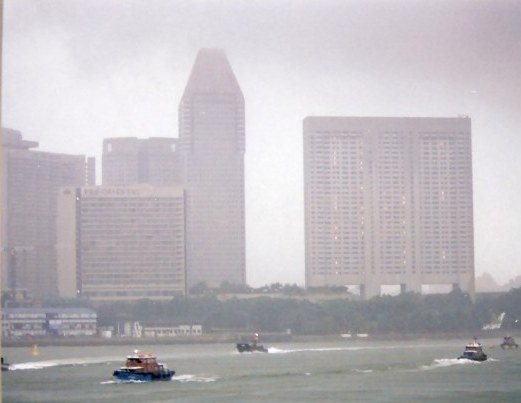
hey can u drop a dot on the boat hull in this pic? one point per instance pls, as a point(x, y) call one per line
point(249, 348)
point(124, 375)
point(482, 357)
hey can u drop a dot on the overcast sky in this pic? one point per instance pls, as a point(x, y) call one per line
point(77, 71)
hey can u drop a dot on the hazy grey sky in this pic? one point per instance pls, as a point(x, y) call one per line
point(77, 71)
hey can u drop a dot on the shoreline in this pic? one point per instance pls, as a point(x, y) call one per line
point(234, 338)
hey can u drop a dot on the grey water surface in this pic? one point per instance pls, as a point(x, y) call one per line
point(343, 371)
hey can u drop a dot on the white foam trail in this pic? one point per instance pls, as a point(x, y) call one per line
point(447, 362)
point(194, 378)
point(56, 363)
point(126, 381)
point(32, 365)
point(364, 371)
point(274, 350)
point(120, 381)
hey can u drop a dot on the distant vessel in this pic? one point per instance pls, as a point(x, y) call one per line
point(141, 367)
point(508, 342)
point(5, 365)
point(473, 351)
point(251, 347)
point(34, 351)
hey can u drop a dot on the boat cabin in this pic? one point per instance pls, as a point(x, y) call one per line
point(142, 363)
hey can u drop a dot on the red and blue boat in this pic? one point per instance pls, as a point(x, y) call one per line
point(144, 368)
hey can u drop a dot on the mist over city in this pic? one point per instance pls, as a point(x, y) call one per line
point(260, 200)
point(76, 72)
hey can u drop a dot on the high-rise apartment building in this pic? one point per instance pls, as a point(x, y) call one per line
point(211, 144)
point(130, 161)
point(388, 201)
point(121, 243)
point(31, 182)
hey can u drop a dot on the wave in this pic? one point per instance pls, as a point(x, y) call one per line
point(194, 378)
point(274, 350)
point(71, 362)
point(184, 378)
point(117, 382)
point(364, 371)
point(447, 362)
point(32, 365)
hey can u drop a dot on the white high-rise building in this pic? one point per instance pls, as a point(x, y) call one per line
point(388, 201)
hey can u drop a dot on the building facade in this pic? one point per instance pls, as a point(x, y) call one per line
point(49, 322)
point(388, 201)
point(31, 182)
point(130, 161)
point(211, 146)
point(121, 243)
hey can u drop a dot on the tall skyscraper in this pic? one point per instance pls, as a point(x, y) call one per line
point(32, 180)
point(121, 243)
point(211, 144)
point(388, 201)
point(129, 161)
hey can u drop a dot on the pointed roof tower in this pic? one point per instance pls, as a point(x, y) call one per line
point(212, 74)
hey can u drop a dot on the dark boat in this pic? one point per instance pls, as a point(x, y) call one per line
point(508, 342)
point(251, 347)
point(5, 365)
point(473, 351)
point(141, 367)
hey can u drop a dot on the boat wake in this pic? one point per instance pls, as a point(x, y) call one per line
point(194, 378)
point(32, 365)
point(364, 371)
point(447, 362)
point(117, 382)
point(185, 378)
point(274, 350)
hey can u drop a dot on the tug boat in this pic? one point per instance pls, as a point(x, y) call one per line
point(5, 365)
point(145, 368)
point(251, 347)
point(473, 351)
point(508, 342)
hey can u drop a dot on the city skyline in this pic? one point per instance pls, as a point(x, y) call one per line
point(74, 75)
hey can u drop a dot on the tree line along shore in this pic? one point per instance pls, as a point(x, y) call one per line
point(407, 315)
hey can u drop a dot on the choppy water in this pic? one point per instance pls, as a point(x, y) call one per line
point(346, 371)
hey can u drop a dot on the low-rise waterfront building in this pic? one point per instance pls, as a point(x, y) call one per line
point(48, 322)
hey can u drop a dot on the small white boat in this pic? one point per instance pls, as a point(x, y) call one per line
point(473, 351)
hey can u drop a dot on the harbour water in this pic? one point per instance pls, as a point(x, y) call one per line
point(343, 371)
